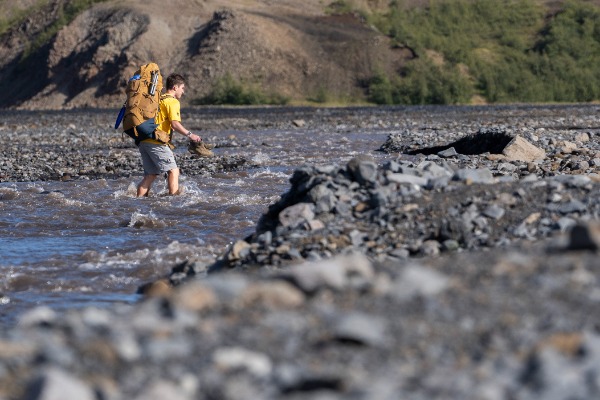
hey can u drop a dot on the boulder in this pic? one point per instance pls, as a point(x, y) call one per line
point(520, 149)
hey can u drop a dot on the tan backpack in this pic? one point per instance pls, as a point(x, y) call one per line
point(142, 104)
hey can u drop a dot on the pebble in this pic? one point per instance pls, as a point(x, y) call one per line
point(362, 329)
point(234, 358)
point(417, 280)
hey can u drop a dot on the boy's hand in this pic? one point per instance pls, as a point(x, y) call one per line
point(194, 138)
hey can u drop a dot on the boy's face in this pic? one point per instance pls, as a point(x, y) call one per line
point(179, 90)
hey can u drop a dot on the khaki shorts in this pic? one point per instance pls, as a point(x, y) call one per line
point(156, 158)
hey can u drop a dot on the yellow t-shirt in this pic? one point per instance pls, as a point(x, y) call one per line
point(167, 112)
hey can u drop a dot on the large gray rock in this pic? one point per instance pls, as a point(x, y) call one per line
point(297, 214)
point(335, 273)
point(520, 149)
point(56, 384)
point(362, 329)
point(468, 176)
point(363, 168)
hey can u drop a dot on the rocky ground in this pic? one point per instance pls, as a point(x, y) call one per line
point(432, 276)
point(46, 148)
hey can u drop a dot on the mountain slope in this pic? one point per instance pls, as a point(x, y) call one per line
point(286, 47)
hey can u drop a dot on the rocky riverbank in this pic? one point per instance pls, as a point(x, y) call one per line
point(428, 276)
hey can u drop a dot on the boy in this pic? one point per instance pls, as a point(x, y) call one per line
point(157, 157)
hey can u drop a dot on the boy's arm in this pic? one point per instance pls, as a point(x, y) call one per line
point(178, 127)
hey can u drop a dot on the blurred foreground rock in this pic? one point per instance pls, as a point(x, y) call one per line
point(504, 323)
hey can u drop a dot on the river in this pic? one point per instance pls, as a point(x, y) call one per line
point(92, 243)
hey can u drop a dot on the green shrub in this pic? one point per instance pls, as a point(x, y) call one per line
point(321, 96)
point(339, 7)
point(381, 90)
point(422, 83)
point(426, 83)
point(66, 14)
point(512, 50)
point(227, 90)
point(15, 17)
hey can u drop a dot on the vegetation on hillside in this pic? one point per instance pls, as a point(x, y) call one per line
point(493, 51)
point(14, 14)
point(500, 50)
point(227, 90)
point(66, 13)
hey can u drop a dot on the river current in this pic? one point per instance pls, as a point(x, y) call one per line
point(92, 243)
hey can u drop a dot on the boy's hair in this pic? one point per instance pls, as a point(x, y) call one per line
point(173, 80)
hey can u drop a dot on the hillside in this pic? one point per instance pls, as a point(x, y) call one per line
point(80, 53)
point(294, 49)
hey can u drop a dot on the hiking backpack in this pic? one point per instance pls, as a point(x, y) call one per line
point(142, 104)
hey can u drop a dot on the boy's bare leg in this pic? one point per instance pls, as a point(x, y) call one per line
point(143, 188)
point(173, 181)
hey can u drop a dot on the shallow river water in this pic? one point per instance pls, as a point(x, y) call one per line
point(91, 242)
